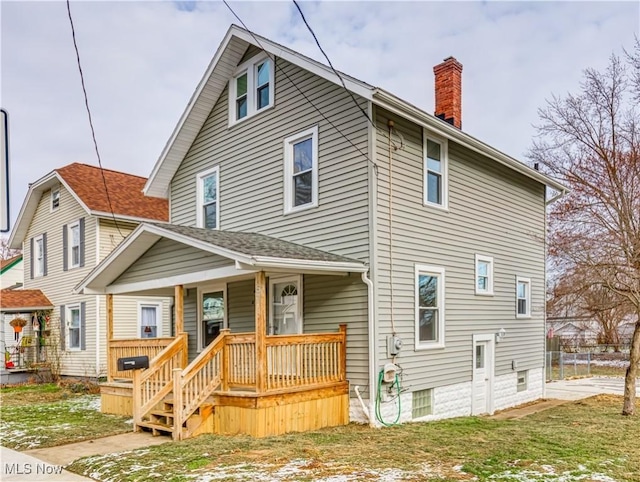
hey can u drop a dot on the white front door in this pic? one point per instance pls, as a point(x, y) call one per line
point(285, 310)
point(482, 374)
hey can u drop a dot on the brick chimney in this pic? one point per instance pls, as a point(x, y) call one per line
point(448, 87)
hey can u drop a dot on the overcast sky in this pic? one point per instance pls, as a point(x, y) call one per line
point(143, 60)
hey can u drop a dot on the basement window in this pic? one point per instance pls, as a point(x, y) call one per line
point(522, 380)
point(422, 403)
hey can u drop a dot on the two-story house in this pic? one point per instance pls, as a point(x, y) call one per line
point(301, 211)
point(66, 225)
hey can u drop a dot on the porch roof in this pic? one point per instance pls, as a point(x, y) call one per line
point(250, 252)
point(16, 301)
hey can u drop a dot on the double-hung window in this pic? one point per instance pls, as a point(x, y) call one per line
point(523, 297)
point(484, 275)
point(74, 249)
point(55, 199)
point(73, 327)
point(38, 256)
point(435, 171)
point(149, 316)
point(301, 170)
point(208, 192)
point(251, 88)
point(429, 300)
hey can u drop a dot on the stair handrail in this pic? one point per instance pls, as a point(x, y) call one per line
point(209, 365)
point(162, 361)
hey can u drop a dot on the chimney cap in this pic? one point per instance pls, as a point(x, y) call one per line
point(449, 62)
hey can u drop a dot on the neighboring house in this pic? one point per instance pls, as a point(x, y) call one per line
point(22, 347)
point(291, 214)
point(574, 335)
point(64, 228)
point(11, 272)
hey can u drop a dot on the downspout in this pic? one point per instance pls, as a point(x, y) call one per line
point(373, 336)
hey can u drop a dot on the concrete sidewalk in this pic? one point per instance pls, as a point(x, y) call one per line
point(47, 464)
point(22, 467)
point(580, 388)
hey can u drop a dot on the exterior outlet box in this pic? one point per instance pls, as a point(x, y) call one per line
point(514, 364)
point(133, 363)
point(394, 345)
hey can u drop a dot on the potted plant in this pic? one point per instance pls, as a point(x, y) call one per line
point(18, 324)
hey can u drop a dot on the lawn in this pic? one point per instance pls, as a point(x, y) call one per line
point(578, 441)
point(34, 416)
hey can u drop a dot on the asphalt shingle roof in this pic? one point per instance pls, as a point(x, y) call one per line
point(26, 299)
point(125, 192)
point(253, 244)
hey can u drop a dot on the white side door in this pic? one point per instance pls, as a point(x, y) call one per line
point(482, 397)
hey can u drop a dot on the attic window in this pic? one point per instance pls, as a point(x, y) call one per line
point(251, 88)
point(55, 199)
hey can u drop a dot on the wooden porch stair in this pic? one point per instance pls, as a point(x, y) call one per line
point(161, 421)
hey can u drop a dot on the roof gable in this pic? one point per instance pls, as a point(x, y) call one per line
point(87, 186)
point(222, 67)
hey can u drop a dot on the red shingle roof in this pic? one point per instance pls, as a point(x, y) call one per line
point(23, 299)
point(125, 192)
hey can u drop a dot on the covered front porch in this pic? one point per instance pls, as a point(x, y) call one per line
point(248, 354)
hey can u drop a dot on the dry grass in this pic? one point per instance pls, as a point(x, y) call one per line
point(583, 440)
point(36, 416)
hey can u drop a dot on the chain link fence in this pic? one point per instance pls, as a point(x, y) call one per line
point(598, 361)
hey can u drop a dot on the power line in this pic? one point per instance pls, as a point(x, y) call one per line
point(375, 166)
point(93, 132)
point(331, 65)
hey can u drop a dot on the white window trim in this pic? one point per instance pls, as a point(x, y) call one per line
point(207, 289)
point(249, 67)
point(444, 152)
point(70, 245)
point(311, 133)
point(519, 280)
point(53, 191)
point(200, 192)
point(489, 290)
point(284, 279)
point(440, 272)
point(68, 309)
point(159, 309)
point(38, 269)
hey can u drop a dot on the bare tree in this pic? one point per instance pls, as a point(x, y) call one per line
point(5, 251)
point(591, 141)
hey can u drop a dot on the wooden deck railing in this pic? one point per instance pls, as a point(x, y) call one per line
point(132, 347)
point(198, 381)
point(151, 385)
point(240, 352)
point(306, 360)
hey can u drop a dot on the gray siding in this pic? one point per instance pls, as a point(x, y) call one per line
point(492, 211)
point(190, 321)
point(250, 156)
point(170, 258)
point(240, 306)
point(332, 300)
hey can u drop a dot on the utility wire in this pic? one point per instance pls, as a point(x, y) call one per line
point(273, 59)
point(331, 65)
point(93, 132)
